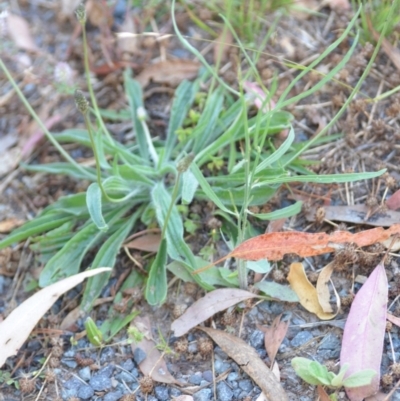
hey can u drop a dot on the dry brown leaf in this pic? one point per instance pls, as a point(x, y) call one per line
point(154, 364)
point(356, 214)
point(148, 242)
point(322, 394)
point(306, 292)
point(171, 72)
point(274, 246)
point(9, 224)
point(247, 358)
point(323, 292)
point(99, 13)
point(276, 371)
point(393, 203)
point(274, 335)
point(16, 328)
point(394, 319)
point(18, 29)
point(208, 306)
point(338, 4)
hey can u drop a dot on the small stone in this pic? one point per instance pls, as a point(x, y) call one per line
point(301, 338)
point(161, 393)
point(195, 379)
point(107, 355)
point(72, 384)
point(246, 385)
point(113, 396)
point(100, 382)
point(69, 363)
point(192, 348)
point(329, 342)
point(85, 392)
point(224, 392)
point(218, 351)
point(203, 395)
point(208, 376)
point(232, 376)
point(126, 377)
point(221, 367)
point(257, 339)
point(84, 373)
point(128, 364)
point(139, 356)
point(174, 392)
point(107, 371)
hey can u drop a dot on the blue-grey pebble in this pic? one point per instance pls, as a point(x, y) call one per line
point(301, 338)
point(70, 363)
point(221, 367)
point(232, 376)
point(218, 351)
point(139, 356)
point(224, 392)
point(72, 383)
point(277, 308)
point(208, 375)
point(100, 382)
point(85, 392)
point(107, 355)
point(2, 281)
point(113, 396)
point(174, 392)
point(257, 339)
point(246, 385)
point(66, 394)
point(193, 348)
point(329, 342)
point(125, 376)
point(84, 373)
point(135, 372)
point(128, 364)
point(162, 393)
point(195, 379)
point(107, 370)
point(202, 395)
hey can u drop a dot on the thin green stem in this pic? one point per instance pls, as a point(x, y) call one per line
point(50, 137)
point(174, 196)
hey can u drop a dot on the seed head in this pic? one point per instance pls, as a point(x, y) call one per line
point(185, 163)
point(146, 384)
point(80, 13)
point(81, 103)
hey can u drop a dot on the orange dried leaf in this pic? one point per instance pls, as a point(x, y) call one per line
point(274, 246)
point(148, 242)
point(306, 292)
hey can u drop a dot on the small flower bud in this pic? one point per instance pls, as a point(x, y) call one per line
point(141, 113)
point(80, 13)
point(81, 103)
point(185, 163)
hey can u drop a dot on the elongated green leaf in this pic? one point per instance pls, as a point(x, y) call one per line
point(112, 326)
point(302, 368)
point(68, 260)
point(157, 286)
point(288, 211)
point(37, 226)
point(70, 204)
point(207, 188)
point(184, 96)
point(278, 153)
point(62, 168)
point(323, 179)
point(362, 378)
point(277, 291)
point(106, 256)
point(135, 97)
point(189, 186)
point(93, 202)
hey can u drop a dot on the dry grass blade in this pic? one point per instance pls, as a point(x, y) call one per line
point(247, 358)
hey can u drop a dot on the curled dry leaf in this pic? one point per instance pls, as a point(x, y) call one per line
point(274, 246)
point(154, 364)
point(274, 335)
point(306, 292)
point(208, 306)
point(9, 224)
point(323, 292)
point(15, 329)
point(394, 319)
point(364, 332)
point(322, 394)
point(171, 72)
point(247, 358)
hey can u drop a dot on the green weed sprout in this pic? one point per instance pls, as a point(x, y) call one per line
point(316, 374)
point(143, 182)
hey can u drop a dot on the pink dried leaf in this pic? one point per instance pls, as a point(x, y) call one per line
point(258, 96)
point(364, 332)
point(19, 32)
point(393, 203)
